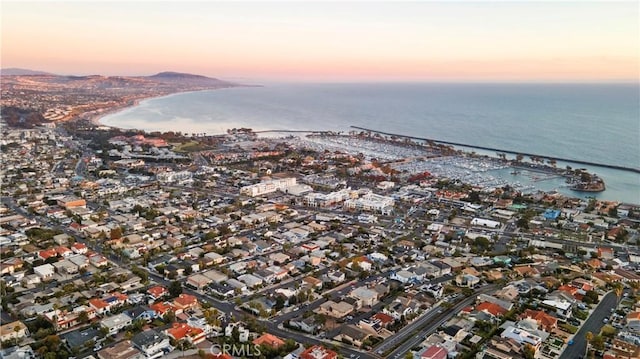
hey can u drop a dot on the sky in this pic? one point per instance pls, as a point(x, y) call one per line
point(328, 41)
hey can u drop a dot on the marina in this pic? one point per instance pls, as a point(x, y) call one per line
point(482, 172)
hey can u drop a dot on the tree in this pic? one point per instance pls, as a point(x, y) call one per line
point(83, 317)
point(279, 303)
point(169, 317)
point(116, 233)
point(618, 288)
point(528, 351)
point(175, 288)
point(589, 337)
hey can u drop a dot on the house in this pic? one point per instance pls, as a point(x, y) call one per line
point(352, 334)
point(63, 251)
point(185, 302)
point(364, 297)
point(99, 306)
point(45, 271)
point(61, 239)
point(198, 281)
point(215, 276)
point(318, 352)
point(81, 261)
point(13, 330)
point(250, 280)
point(335, 310)
point(384, 319)
point(11, 265)
point(78, 339)
point(141, 312)
point(434, 352)
point(493, 309)
point(544, 320)
point(397, 309)
point(269, 340)
point(121, 350)
point(65, 267)
point(116, 323)
point(522, 336)
point(403, 276)
point(562, 306)
point(467, 280)
point(79, 248)
point(633, 321)
point(312, 282)
point(151, 343)
point(180, 331)
point(222, 289)
point(68, 202)
point(47, 253)
point(17, 352)
point(157, 292)
point(214, 257)
point(161, 308)
point(605, 253)
point(307, 325)
point(236, 284)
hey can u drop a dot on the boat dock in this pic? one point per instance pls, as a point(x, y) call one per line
point(589, 163)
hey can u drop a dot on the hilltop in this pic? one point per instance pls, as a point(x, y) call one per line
point(14, 71)
point(38, 94)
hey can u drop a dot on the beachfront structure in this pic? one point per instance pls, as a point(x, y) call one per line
point(268, 186)
point(371, 202)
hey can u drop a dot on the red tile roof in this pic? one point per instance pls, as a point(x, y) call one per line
point(46, 254)
point(318, 352)
point(384, 318)
point(161, 308)
point(157, 291)
point(435, 352)
point(186, 301)
point(491, 308)
point(98, 303)
point(268, 340)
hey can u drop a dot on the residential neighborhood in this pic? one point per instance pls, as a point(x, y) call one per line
point(121, 244)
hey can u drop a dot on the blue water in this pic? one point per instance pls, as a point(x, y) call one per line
point(592, 122)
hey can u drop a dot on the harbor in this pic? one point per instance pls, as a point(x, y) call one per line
point(484, 172)
point(553, 158)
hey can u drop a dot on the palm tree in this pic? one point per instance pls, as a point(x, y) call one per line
point(589, 337)
point(618, 288)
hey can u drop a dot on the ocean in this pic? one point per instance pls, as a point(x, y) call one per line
point(591, 122)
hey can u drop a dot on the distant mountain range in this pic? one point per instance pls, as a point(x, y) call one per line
point(169, 77)
point(166, 76)
point(14, 71)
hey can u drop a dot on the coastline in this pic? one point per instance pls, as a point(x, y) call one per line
point(96, 119)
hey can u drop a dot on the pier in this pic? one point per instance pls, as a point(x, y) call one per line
point(589, 163)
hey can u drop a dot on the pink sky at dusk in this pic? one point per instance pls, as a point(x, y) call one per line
point(329, 41)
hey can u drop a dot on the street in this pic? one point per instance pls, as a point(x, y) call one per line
point(593, 324)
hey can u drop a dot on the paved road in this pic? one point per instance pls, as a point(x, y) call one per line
point(430, 323)
point(593, 324)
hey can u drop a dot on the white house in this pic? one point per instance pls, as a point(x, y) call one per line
point(45, 271)
point(116, 323)
point(487, 223)
point(151, 343)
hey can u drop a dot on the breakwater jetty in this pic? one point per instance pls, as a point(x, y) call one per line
point(589, 163)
